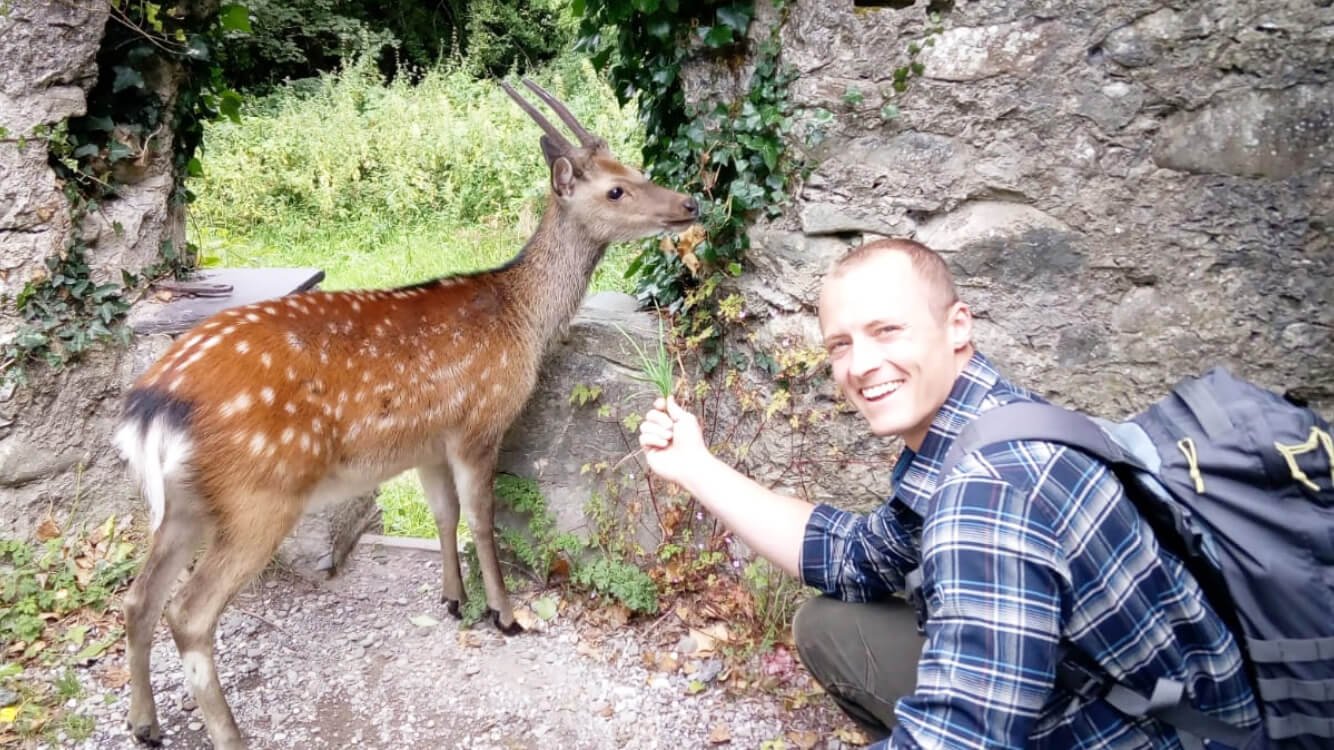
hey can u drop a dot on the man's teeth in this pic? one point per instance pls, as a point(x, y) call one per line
point(884, 389)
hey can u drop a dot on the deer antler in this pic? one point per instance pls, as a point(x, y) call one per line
point(586, 138)
point(558, 139)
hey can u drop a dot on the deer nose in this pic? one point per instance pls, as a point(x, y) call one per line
point(691, 207)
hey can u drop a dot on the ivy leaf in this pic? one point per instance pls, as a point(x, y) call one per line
point(126, 78)
point(659, 28)
point(716, 36)
point(230, 105)
point(577, 7)
point(100, 122)
point(234, 17)
point(735, 17)
point(194, 167)
point(87, 149)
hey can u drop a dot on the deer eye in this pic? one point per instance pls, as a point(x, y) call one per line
point(615, 193)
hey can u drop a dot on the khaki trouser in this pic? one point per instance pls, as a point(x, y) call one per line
point(865, 655)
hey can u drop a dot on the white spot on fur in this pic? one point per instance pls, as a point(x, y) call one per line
point(258, 443)
point(289, 407)
point(242, 347)
point(253, 318)
point(266, 359)
point(238, 403)
point(198, 670)
point(266, 394)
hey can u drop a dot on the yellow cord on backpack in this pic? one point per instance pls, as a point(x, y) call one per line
point(1187, 448)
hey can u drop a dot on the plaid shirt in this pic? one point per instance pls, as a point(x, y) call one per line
point(1026, 545)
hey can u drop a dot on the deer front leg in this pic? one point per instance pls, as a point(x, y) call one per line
point(474, 473)
point(443, 498)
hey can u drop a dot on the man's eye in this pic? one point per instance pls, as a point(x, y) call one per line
point(615, 193)
point(837, 349)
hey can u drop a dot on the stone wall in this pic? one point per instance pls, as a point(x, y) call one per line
point(1128, 192)
point(54, 434)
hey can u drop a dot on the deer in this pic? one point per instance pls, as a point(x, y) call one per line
point(264, 412)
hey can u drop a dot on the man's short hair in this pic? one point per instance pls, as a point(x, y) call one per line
point(926, 263)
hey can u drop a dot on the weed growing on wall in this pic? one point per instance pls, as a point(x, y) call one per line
point(729, 150)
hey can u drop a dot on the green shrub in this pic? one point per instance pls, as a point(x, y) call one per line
point(293, 39)
point(380, 184)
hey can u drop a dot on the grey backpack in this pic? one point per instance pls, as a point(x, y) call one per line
point(1239, 483)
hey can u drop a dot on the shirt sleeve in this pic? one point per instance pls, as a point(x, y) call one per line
point(857, 557)
point(993, 582)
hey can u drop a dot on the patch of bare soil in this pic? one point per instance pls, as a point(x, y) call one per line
point(369, 659)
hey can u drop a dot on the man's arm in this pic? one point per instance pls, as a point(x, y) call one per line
point(845, 554)
point(993, 584)
point(770, 523)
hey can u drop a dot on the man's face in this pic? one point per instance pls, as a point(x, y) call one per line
point(894, 353)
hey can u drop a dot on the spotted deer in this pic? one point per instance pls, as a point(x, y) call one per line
point(265, 411)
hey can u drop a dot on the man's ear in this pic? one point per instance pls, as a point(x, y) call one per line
point(562, 177)
point(960, 323)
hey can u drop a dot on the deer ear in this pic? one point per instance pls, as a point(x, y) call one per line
point(562, 177)
point(551, 151)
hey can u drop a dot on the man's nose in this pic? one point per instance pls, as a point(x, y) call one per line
point(862, 360)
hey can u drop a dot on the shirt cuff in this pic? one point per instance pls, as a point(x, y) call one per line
point(823, 545)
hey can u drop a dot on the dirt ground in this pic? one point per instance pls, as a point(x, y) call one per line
point(369, 659)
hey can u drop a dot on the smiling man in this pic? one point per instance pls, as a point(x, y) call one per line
point(1027, 552)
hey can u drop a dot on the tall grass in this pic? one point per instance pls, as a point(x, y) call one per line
point(390, 184)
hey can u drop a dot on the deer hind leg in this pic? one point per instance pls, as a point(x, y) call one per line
point(234, 556)
point(170, 551)
point(443, 498)
point(474, 471)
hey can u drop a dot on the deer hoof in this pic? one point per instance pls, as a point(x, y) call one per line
point(146, 734)
point(452, 607)
point(514, 628)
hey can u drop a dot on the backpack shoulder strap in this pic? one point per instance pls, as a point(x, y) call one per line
point(1031, 420)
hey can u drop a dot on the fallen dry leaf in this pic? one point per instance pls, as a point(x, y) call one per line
point(663, 661)
point(47, 530)
point(707, 639)
point(584, 648)
point(852, 736)
point(527, 620)
point(805, 740)
point(720, 735)
point(470, 639)
point(115, 677)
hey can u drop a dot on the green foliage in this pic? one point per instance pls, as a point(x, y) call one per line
point(729, 150)
point(655, 368)
point(46, 582)
point(65, 311)
point(620, 580)
point(381, 183)
point(294, 39)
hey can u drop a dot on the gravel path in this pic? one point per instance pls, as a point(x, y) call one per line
point(341, 664)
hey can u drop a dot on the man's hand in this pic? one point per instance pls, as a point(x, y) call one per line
point(673, 442)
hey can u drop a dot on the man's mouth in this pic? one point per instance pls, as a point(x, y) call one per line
point(882, 390)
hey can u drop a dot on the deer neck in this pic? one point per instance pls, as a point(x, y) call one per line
point(550, 277)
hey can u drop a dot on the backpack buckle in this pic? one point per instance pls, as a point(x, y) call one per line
point(912, 591)
point(1086, 684)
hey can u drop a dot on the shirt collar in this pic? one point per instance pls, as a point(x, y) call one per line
point(975, 390)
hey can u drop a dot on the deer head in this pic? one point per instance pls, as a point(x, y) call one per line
point(610, 201)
